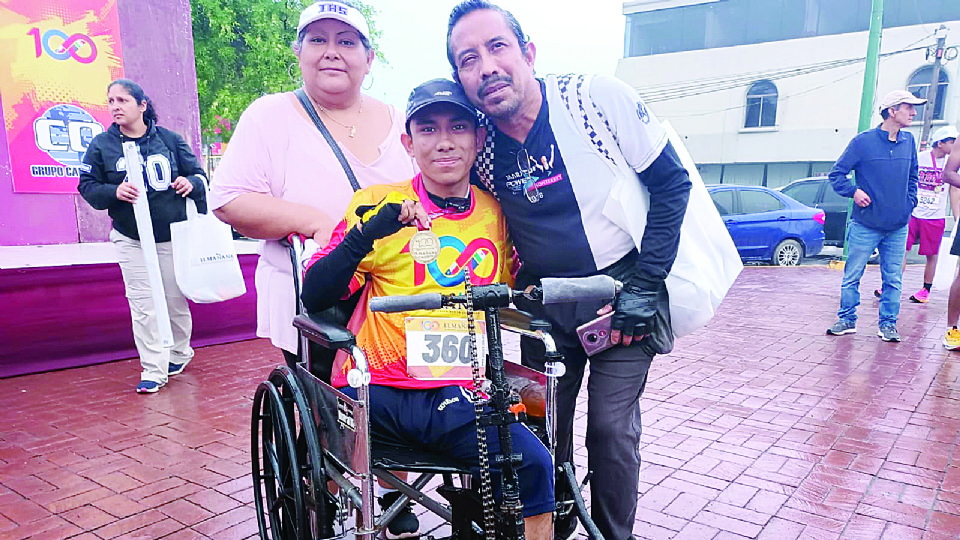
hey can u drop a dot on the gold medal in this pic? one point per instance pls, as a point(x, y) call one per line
point(425, 247)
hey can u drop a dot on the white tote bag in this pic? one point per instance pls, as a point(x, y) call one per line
point(707, 261)
point(205, 259)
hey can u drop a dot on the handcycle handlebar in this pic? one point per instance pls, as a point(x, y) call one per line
point(551, 291)
point(560, 290)
point(394, 304)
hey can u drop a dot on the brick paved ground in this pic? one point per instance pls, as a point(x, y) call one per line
point(758, 427)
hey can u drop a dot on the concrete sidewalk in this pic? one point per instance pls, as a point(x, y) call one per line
point(759, 426)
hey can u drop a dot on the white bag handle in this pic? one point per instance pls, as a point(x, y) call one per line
point(192, 211)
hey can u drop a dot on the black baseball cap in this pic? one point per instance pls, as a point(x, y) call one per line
point(437, 91)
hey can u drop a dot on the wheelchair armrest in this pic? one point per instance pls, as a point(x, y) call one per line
point(326, 333)
point(511, 318)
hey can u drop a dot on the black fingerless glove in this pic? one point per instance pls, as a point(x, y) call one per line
point(634, 311)
point(381, 220)
point(329, 278)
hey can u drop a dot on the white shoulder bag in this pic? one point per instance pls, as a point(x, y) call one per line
point(204, 257)
point(707, 261)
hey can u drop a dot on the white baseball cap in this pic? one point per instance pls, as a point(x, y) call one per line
point(946, 132)
point(899, 96)
point(334, 10)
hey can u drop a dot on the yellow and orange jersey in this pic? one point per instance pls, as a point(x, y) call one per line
point(476, 239)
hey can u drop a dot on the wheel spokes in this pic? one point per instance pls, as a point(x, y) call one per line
point(276, 468)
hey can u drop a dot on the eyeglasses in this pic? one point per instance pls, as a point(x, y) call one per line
point(529, 182)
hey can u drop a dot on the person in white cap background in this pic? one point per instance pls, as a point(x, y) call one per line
point(928, 220)
point(885, 193)
point(279, 175)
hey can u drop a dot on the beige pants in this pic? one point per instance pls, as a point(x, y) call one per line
point(154, 358)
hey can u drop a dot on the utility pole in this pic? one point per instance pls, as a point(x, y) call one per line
point(867, 109)
point(934, 86)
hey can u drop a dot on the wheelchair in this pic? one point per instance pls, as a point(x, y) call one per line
point(313, 462)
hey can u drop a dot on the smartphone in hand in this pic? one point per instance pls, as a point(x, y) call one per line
point(595, 335)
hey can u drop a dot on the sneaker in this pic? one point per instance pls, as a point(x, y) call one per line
point(920, 297)
point(148, 387)
point(878, 292)
point(405, 524)
point(888, 333)
point(176, 369)
point(951, 340)
point(840, 328)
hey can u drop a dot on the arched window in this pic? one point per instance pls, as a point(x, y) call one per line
point(920, 84)
point(761, 105)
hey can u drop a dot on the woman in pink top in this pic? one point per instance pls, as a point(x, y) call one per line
point(279, 176)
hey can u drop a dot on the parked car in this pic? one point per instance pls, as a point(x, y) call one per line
point(767, 225)
point(817, 192)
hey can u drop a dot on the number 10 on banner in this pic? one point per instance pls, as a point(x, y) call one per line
point(438, 348)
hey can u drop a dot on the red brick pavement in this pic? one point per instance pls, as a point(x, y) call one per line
point(758, 426)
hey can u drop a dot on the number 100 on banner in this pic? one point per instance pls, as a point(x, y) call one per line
point(438, 348)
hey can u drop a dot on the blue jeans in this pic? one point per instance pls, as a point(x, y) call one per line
point(861, 241)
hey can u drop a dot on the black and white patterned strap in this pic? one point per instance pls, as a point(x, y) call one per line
point(485, 157)
point(581, 112)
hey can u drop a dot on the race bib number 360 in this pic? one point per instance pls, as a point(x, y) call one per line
point(438, 348)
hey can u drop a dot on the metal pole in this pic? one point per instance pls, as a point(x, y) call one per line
point(934, 85)
point(869, 83)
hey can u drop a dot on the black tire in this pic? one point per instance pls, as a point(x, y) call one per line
point(277, 491)
point(568, 493)
point(320, 504)
point(788, 253)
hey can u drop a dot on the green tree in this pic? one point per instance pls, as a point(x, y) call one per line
point(242, 50)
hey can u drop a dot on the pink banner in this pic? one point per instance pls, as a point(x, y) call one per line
point(56, 59)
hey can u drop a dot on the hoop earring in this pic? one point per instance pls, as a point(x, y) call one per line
point(370, 78)
point(297, 79)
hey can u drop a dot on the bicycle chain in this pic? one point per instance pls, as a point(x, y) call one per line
point(486, 487)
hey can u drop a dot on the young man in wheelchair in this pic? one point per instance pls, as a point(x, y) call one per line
point(371, 247)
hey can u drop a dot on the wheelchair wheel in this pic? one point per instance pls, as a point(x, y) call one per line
point(320, 506)
point(277, 490)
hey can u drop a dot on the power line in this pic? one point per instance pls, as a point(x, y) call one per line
point(751, 76)
point(706, 86)
point(695, 88)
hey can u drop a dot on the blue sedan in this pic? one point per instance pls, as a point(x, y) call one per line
point(767, 225)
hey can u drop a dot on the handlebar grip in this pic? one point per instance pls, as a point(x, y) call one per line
point(559, 290)
point(395, 304)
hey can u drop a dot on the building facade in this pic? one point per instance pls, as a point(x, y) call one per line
point(767, 91)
